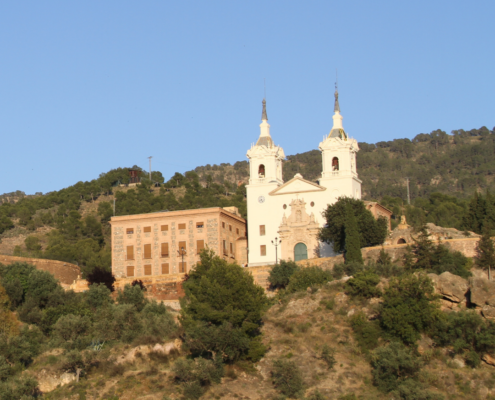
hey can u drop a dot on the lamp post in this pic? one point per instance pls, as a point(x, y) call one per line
point(181, 253)
point(276, 242)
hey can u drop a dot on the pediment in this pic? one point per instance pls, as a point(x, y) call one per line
point(297, 185)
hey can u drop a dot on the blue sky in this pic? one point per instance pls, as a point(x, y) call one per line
point(87, 86)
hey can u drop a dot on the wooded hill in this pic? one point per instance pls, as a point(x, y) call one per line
point(444, 171)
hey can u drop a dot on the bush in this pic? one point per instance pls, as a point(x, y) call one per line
point(349, 269)
point(98, 295)
point(409, 307)
point(287, 377)
point(72, 328)
point(328, 355)
point(132, 295)
point(367, 333)
point(392, 365)
point(22, 348)
point(410, 389)
point(157, 321)
point(308, 277)
point(195, 375)
point(468, 333)
point(363, 285)
point(280, 273)
point(23, 388)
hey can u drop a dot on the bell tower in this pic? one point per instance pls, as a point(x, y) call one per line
point(265, 159)
point(338, 152)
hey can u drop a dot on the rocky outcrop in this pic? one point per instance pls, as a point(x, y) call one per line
point(483, 296)
point(489, 360)
point(450, 286)
point(144, 350)
point(48, 381)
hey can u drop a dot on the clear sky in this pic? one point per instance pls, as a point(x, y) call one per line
point(87, 86)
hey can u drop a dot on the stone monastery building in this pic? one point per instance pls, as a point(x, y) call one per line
point(292, 211)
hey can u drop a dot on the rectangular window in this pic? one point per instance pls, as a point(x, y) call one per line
point(263, 250)
point(182, 267)
point(230, 228)
point(182, 226)
point(147, 251)
point(232, 248)
point(164, 249)
point(130, 253)
point(147, 269)
point(164, 228)
point(130, 271)
point(237, 230)
point(147, 229)
point(165, 269)
point(182, 248)
point(129, 231)
point(200, 245)
point(200, 225)
point(262, 230)
point(225, 247)
point(223, 225)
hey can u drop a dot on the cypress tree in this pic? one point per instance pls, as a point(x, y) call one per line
point(352, 242)
point(485, 251)
point(423, 249)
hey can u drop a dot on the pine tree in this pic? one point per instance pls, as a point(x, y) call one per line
point(423, 249)
point(485, 251)
point(408, 258)
point(352, 242)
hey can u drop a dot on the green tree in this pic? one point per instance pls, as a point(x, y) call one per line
point(287, 377)
point(280, 273)
point(371, 232)
point(485, 251)
point(409, 307)
point(308, 277)
point(32, 243)
point(423, 249)
point(352, 251)
point(222, 309)
point(363, 284)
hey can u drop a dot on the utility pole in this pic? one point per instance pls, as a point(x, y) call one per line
point(114, 206)
point(150, 157)
point(408, 197)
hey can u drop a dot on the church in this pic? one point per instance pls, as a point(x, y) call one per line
point(284, 217)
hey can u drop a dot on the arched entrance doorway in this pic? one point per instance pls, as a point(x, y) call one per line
point(401, 241)
point(300, 252)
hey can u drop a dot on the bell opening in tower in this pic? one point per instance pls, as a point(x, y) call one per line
point(261, 171)
point(335, 164)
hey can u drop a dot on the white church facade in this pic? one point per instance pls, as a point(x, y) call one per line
point(284, 218)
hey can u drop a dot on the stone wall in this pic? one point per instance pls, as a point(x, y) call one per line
point(65, 272)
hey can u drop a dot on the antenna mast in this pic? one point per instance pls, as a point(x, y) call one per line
point(150, 157)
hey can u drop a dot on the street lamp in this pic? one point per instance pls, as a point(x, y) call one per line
point(276, 243)
point(181, 253)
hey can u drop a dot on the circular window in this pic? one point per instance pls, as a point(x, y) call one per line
point(312, 204)
point(285, 206)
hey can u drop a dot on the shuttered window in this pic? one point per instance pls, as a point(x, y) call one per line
point(263, 250)
point(237, 230)
point(262, 230)
point(130, 253)
point(182, 267)
point(230, 228)
point(223, 225)
point(182, 248)
point(200, 245)
point(130, 271)
point(147, 229)
point(200, 224)
point(147, 251)
point(232, 248)
point(165, 269)
point(129, 231)
point(182, 226)
point(147, 269)
point(225, 247)
point(164, 249)
point(164, 228)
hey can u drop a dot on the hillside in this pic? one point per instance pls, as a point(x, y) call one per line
point(72, 224)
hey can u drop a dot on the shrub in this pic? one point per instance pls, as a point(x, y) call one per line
point(287, 377)
point(98, 295)
point(349, 269)
point(363, 285)
point(410, 389)
point(367, 333)
point(469, 334)
point(70, 327)
point(132, 295)
point(409, 307)
point(308, 277)
point(280, 273)
point(328, 355)
point(22, 348)
point(157, 321)
point(24, 388)
point(195, 375)
point(392, 365)
point(4, 368)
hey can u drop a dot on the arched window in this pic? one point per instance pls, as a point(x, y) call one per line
point(335, 164)
point(261, 171)
point(401, 241)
